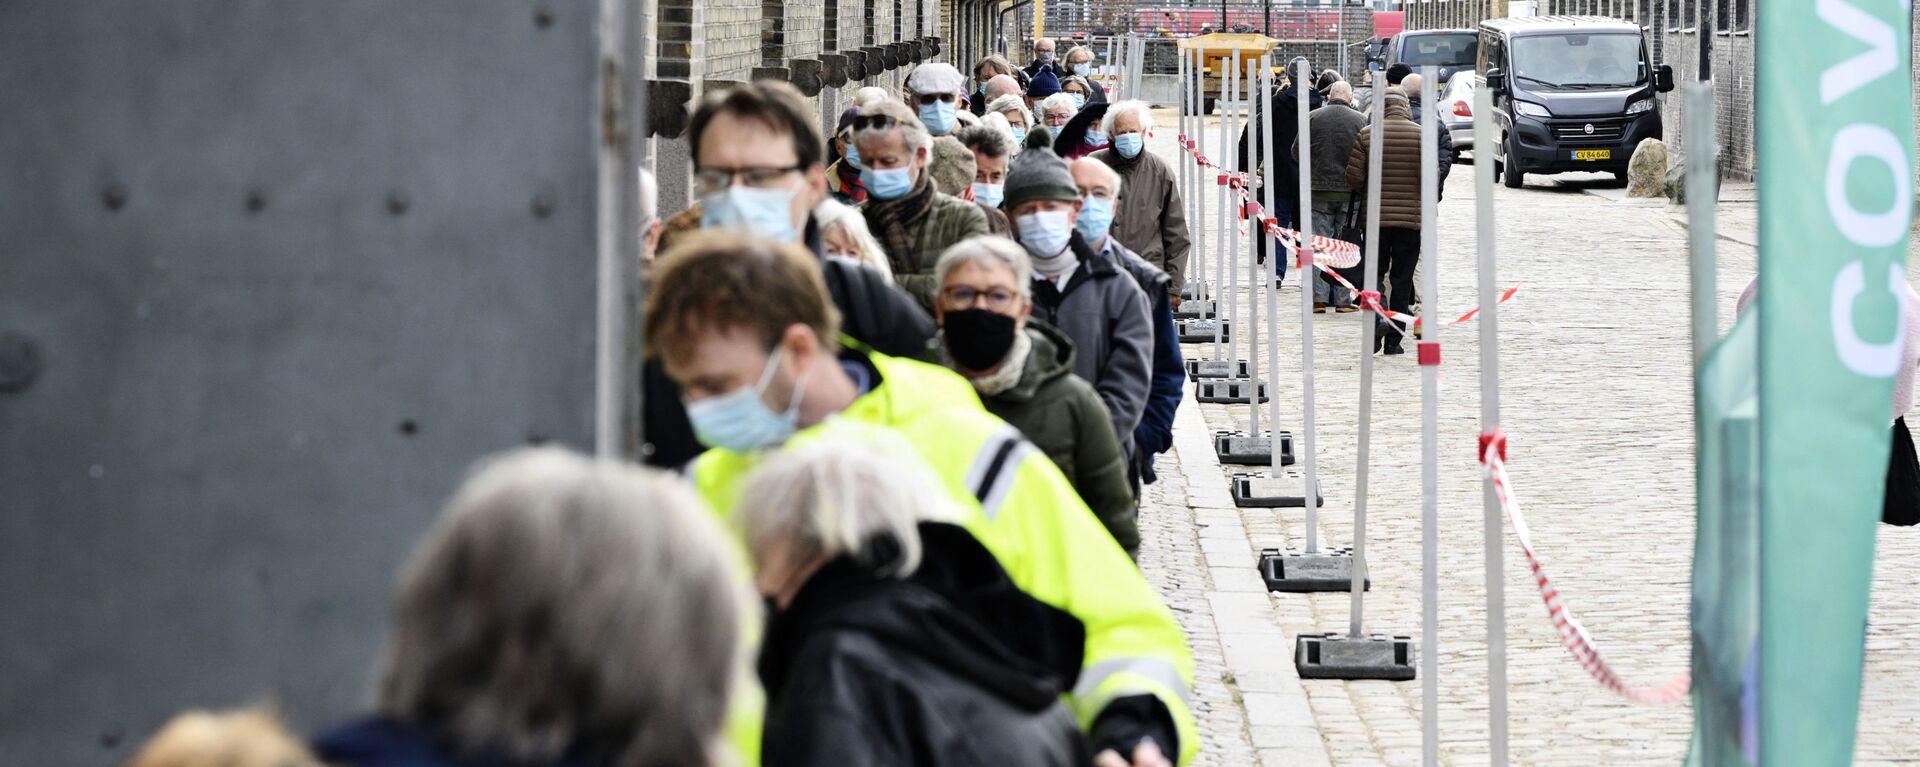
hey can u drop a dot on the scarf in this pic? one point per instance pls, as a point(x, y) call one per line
point(892, 220)
point(1004, 377)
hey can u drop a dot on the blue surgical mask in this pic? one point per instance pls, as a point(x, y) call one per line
point(1082, 69)
point(1095, 216)
point(1079, 101)
point(1019, 135)
point(938, 117)
point(765, 212)
point(1095, 138)
point(989, 195)
point(889, 184)
point(853, 156)
point(1055, 129)
point(983, 87)
point(740, 421)
point(1128, 145)
point(1045, 234)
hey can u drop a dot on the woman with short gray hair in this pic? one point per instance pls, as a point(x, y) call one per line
point(563, 610)
point(896, 637)
point(1019, 117)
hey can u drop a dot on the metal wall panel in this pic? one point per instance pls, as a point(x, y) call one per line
point(278, 273)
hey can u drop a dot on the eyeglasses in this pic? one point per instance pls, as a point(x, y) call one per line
point(1098, 193)
point(710, 180)
point(931, 98)
point(875, 122)
point(964, 297)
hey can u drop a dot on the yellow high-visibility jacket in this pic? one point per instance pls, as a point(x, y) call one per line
point(1016, 502)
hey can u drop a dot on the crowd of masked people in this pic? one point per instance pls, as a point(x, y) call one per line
point(904, 384)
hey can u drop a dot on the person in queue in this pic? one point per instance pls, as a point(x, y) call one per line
point(1044, 61)
point(935, 91)
point(1054, 112)
point(844, 236)
point(843, 176)
point(1399, 248)
point(1150, 217)
point(1023, 372)
point(913, 220)
point(991, 148)
point(1443, 138)
point(1080, 64)
point(1042, 87)
point(519, 618)
point(1284, 101)
point(1081, 291)
point(894, 633)
point(1101, 191)
point(1332, 130)
point(1018, 116)
point(757, 156)
point(1080, 88)
point(745, 325)
point(985, 72)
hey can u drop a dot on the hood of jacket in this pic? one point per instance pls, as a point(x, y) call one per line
point(1050, 357)
point(958, 611)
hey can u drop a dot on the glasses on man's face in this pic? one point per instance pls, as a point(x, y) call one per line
point(711, 180)
point(966, 297)
point(935, 98)
point(875, 122)
point(1098, 193)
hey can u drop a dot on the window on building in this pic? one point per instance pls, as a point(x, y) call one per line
point(1742, 16)
point(871, 22)
point(773, 18)
point(1722, 15)
point(899, 20)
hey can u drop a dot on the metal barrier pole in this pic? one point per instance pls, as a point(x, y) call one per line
point(1429, 429)
point(1702, 176)
point(1483, 135)
point(1229, 221)
point(1220, 233)
point(1370, 282)
point(1256, 78)
point(1311, 494)
point(1197, 133)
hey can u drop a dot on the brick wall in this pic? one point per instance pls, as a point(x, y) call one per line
point(732, 32)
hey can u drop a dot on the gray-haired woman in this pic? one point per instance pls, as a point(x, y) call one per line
point(897, 639)
point(562, 611)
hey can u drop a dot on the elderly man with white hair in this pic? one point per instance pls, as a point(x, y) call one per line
point(1149, 217)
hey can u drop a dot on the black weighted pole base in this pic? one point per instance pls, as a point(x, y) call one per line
point(1338, 656)
point(1194, 309)
point(1272, 490)
point(1198, 368)
point(1190, 291)
point(1329, 569)
point(1229, 392)
point(1238, 447)
point(1201, 331)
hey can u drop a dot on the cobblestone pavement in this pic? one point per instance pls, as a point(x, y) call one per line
point(1596, 399)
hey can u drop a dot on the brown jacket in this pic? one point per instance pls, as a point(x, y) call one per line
point(1149, 217)
point(1399, 167)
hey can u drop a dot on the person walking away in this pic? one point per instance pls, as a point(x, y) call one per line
point(1080, 64)
point(914, 221)
point(745, 325)
point(1101, 190)
point(1399, 248)
point(1333, 129)
point(757, 155)
point(843, 176)
point(1024, 374)
point(895, 637)
point(1081, 291)
point(519, 617)
point(991, 149)
point(1149, 217)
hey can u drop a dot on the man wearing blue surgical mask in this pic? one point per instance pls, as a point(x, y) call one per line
point(913, 220)
point(1149, 216)
point(758, 168)
point(1081, 290)
point(1080, 64)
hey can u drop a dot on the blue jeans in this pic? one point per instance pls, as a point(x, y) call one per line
point(1328, 217)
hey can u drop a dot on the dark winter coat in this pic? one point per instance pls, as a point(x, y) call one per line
point(1286, 128)
point(1104, 311)
point(953, 667)
point(1149, 217)
point(381, 742)
point(1154, 434)
point(1399, 168)
point(871, 311)
point(1333, 129)
point(945, 220)
point(1060, 414)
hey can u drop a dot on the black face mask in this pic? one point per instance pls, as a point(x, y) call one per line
point(978, 339)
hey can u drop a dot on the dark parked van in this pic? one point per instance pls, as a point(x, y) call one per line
point(1452, 50)
point(1570, 93)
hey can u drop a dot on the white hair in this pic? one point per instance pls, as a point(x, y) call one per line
point(1132, 105)
point(1106, 172)
point(1012, 102)
point(1340, 90)
point(989, 250)
point(998, 121)
point(831, 213)
point(564, 605)
point(870, 95)
point(1061, 99)
point(913, 134)
point(839, 497)
point(1078, 49)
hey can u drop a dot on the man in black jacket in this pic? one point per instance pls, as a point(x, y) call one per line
point(760, 168)
point(1286, 176)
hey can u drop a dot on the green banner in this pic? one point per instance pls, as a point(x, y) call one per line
point(1835, 132)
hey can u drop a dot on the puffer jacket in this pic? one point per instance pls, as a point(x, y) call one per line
point(1104, 311)
point(1060, 414)
point(1148, 216)
point(953, 667)
point(945, 220)
point(1399, 168)
point(1334, 128)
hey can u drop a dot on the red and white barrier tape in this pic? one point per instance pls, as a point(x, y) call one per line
point(1493, 457)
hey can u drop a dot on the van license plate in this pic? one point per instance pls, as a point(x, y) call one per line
point(1592, 154)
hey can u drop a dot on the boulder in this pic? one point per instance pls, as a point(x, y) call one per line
point(1647, 170)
